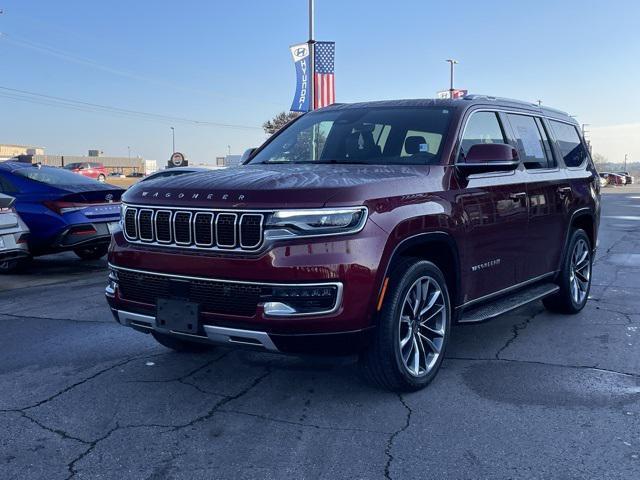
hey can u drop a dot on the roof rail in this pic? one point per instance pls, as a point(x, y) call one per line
point(512, 100)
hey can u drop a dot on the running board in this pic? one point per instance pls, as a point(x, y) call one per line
point(507, 303)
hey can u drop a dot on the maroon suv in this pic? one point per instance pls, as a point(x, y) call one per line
point(366, 228)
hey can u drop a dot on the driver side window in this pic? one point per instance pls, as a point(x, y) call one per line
point(482, 127)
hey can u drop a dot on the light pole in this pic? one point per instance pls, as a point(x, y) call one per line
point(173, 140)
point(129, 153)
point(312, 55)
point(452, 62)
point(625, 161)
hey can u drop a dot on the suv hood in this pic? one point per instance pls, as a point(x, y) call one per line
point(280, 186)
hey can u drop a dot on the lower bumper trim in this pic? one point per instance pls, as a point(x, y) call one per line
point(216, 335)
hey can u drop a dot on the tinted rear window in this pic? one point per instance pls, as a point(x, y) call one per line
point(569, 142)
point(54, 176)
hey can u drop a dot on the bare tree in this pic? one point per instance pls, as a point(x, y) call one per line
point(280, 120)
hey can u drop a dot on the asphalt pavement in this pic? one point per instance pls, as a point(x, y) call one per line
point(528, 395)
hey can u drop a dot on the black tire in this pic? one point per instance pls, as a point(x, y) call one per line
point(102, 178)
point(180, 345)
point(91, 253)
point(382, 362)
point(14, 266)
point(565, 300)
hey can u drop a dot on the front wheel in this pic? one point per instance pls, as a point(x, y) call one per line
point(91, 253)
point(413, 329)
point(575, 276)
point(13, 266)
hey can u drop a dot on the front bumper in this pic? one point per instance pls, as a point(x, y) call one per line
point(349, 262)
point(343, 343)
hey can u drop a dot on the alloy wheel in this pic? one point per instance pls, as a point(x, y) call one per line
point(580, 273)
point(423, 321)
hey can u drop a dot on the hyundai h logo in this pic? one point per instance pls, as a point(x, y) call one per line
point(300, 52)
point(109, 197)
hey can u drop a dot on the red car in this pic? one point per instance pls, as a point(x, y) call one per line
point(93, 170)
point(367, 228)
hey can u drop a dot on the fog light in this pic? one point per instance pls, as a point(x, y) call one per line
point(301, 300)
point(112, 284)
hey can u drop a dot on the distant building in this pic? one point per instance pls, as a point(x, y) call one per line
point(8, 151)
point(123, 165)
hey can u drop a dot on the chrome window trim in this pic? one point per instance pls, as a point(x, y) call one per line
point(338, 285)
point(175, 238)
point(138, 213)
point(211, 223)
point(256, 245)
point(155, 226)
point(235, 233)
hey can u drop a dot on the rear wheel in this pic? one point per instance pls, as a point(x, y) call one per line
point(575, 276)
point(413, 329)
point(13, 266)
point(91, 253)
point(180, 345)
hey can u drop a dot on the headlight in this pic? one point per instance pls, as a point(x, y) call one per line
point(329, 221)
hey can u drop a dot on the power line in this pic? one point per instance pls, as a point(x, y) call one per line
point(70, 57)
point(78, 105)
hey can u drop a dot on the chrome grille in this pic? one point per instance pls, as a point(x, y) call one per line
point(193, 228)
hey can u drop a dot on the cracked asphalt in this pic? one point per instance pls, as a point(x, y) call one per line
point(527, 395)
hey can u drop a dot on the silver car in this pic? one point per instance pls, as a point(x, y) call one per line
point(13, 237)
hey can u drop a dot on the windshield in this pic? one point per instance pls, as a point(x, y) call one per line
point(377, 136)
point(55, 176)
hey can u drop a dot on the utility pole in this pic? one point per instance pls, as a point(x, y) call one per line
point(173, 140)
point(539, 102)
point(625, 161)
point(452, 63)
point(312, 59)
point(129, 153)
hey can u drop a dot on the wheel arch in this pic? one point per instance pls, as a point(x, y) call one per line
point(439, 248)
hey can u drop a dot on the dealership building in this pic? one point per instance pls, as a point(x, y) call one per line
point(124, 165)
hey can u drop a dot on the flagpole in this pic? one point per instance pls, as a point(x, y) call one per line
point(312, 66)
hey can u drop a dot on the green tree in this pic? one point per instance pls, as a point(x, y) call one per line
point(280, 120)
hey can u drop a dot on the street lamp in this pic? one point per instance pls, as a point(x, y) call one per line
point(129, 153)
point(173, 139)
point(452, 62)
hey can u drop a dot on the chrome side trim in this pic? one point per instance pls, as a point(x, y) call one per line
point(505, 290)
point(338, 285)
point(235, 336)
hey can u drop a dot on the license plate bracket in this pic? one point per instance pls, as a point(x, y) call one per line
point(178, 315)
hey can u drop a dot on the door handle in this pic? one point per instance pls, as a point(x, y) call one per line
point(517, 196)
point(564, 191)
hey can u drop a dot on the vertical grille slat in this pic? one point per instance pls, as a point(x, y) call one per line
point(250, 230)
point(182, 227)
point(203, 229)
point(163, 226)
point(193, 228)
point(145, 225)
point(226, 230)
point(130, 225)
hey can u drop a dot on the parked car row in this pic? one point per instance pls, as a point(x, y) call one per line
point(615, 179)
point(56, 211)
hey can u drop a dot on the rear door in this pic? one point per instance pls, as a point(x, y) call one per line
point(548, 194)
point(494, 209)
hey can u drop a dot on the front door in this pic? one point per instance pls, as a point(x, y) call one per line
point(494, 212)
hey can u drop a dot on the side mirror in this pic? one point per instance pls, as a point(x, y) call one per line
point(6, 201)
point(489, 157)
point(247, 155)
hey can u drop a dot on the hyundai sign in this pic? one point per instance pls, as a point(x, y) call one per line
point(301, 101)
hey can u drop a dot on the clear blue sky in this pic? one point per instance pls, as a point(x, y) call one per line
point(228, 61)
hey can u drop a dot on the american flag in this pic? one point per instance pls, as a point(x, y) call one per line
point(324, 81)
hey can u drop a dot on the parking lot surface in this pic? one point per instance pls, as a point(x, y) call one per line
point(528, 395)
